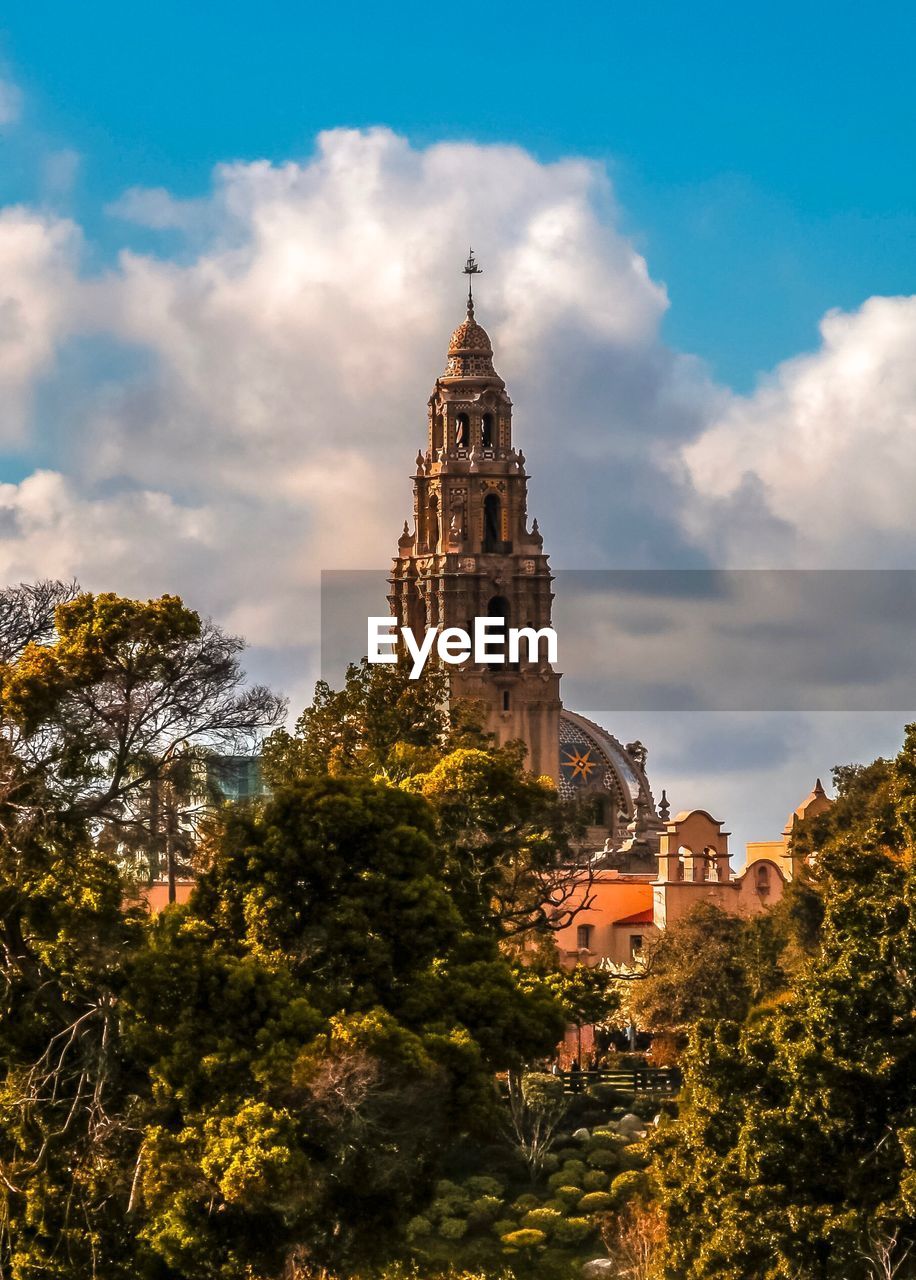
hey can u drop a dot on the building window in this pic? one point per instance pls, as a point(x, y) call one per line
point(486, 431)
point(492, 533)
point(635, 944)
point(763, 880)
point(584, 937)
point(462, 431)
point(505, 699)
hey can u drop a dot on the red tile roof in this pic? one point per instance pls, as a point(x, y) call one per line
point(638, 917)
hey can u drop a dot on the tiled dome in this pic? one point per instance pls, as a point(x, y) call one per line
point(593, 759)
point(470, 352)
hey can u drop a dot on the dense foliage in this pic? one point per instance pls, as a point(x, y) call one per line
point(270, 1076)
point(795, 1151)
point(330, 1060)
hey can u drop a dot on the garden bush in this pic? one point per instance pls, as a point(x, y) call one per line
point(504, 1226)
point(482, 1186)
point(456, 1228)
point(573, 1170)
point(542, 1219)
point(484, 1209)
point(596, 1201)
point(569, 1194)
point(609, 1096)
point(526, 1202)
point(572, 1231)
point(604, 1158)
point(418, 1226)
point(567, 1153)
point(628, 1185)
point(527, 1238)
point(595, 1180)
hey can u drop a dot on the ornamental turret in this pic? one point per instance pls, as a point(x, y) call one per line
point(471, 552)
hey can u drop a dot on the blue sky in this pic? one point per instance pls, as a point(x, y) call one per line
point(762, 156)
point(230, 240)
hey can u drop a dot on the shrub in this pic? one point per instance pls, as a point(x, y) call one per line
point(557, 1180)
point(573, 1170)
point(550, 1162)
point(572, 1231)
point(608, 1096)
point(543, 1219)
point(453, 1228)
point(595, 1180)
point(602, 1140)
point(445, 1190)
point(596, 1201)
point(626, 1186)
point(482, 1186)
point(528, 1238)
point(567, 1153)
point(560, 1205)
point(633, 1158)
point(439, 1210)
point(604, 1132)
point(504, 1226)
point(568, 1194)
point(484, 1209)
point(418, 1226)
point(526, 1202)
point(604, 1158)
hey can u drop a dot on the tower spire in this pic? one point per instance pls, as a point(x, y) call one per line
point(471, 269)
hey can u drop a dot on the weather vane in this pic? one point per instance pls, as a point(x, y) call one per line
point(471, 269)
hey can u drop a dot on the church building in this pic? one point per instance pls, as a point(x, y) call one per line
point(473, 552)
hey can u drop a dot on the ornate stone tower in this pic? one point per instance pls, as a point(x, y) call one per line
point(471, 553)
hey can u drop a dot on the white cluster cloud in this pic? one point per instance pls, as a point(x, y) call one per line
point(230, 419)
point(38, 260)
point(233, 414)
point(817, 468)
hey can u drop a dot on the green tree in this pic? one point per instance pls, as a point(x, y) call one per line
point(97, 694)
point(709, 965)
point(380, 723)
point(799, 1120)
point(332, 896)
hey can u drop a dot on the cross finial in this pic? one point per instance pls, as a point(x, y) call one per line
point(471, 269)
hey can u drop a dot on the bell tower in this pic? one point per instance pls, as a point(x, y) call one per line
point(471, 553)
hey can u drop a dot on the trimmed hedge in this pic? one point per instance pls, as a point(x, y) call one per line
point(528, 1238)
point(596, 1201)
point(569, 1194)
point(542, 1219)
point(604, 1158)
point(627, 1185)
point(572, 1231)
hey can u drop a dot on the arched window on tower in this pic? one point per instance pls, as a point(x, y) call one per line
point(763, 879)
point(499, 608)
point(433, 523)
point(486, 431)
point(492, 523)
point(462, 431)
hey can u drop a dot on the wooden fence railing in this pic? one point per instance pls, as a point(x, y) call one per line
point(627, 1079)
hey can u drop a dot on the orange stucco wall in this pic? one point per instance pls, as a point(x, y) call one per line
point(613, 898)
